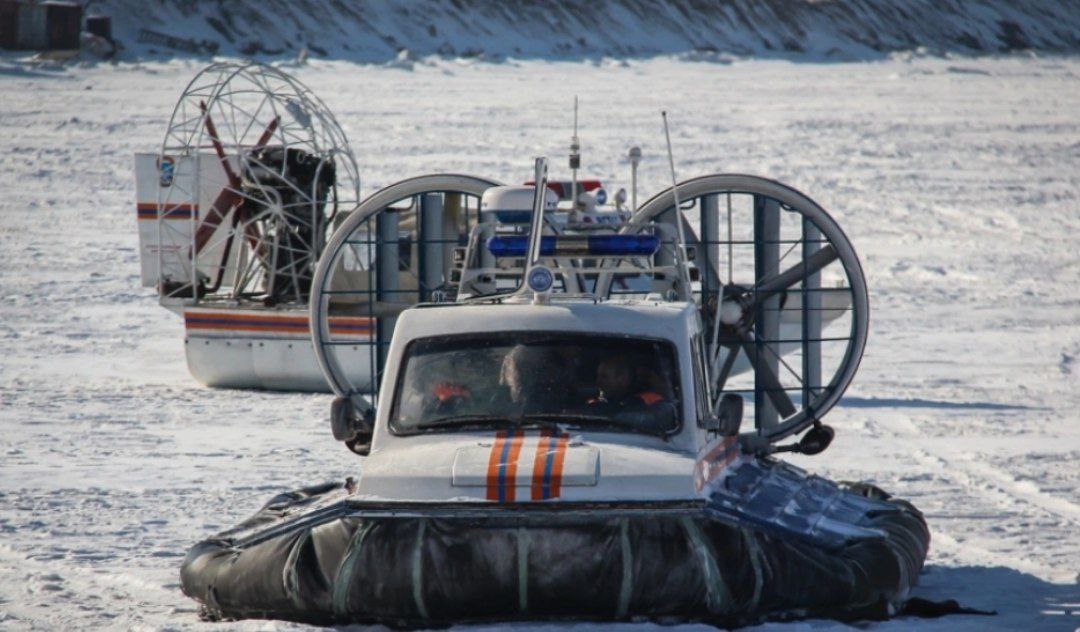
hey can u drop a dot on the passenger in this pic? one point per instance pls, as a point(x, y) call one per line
point(465, 382)
point(535, 379)
point(630, 395)
point(447, 397)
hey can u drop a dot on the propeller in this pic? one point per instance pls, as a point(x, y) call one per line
point(783, 241)
point(813, 264)
point(735, 317)
point(230, 196)
point(771, 382)
point(229, 200)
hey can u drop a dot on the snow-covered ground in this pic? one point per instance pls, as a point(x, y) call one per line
point(958, 180)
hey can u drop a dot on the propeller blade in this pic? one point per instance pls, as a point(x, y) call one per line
point(211, 129)
point(782, 281)
point(228, 199)
point(773, 388)
point(725, 370)
point(267, 133)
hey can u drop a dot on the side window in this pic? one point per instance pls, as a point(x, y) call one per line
point(701, 387)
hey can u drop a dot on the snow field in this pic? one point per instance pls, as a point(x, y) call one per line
point(957, 180)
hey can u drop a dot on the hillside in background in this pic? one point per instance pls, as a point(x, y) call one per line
point(379, 30)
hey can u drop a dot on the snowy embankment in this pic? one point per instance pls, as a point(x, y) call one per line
point(957, 181)
point(377, 30)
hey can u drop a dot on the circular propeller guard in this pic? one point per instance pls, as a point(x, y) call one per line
point(781, 292)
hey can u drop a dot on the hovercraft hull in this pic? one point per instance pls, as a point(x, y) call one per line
point(316, 556)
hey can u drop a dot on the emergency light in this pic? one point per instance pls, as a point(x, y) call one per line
point(577, 245)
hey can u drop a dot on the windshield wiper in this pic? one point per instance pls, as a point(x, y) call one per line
point(590, 421)
point(465, 420)
point(566, 417)
point(546, 421)
point(500, 421)
point(574, 420)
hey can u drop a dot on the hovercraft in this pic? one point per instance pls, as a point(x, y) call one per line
point(557, 432)
point(237, 206)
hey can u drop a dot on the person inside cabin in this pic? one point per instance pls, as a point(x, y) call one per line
point(531, 380)
point(632, 394)
point(459, 385)
point(534, 377)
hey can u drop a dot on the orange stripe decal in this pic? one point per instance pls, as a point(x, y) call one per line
point(557, 465)
point(279, 323)
point(149, 210)
point(493, 466)
point(509, 480)
point(545, 444)
point(153, 206)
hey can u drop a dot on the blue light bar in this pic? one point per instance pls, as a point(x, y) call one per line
point(577, 245)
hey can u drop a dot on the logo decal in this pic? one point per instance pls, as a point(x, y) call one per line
point(547, 469)
point(540, 279)
point(166, 170)
point(714, 461)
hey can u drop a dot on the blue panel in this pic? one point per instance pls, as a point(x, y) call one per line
point(515, 245)
point(640, 245)
point(593, 245)
point(783, 500)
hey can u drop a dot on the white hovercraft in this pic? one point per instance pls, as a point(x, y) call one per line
point(557, 431)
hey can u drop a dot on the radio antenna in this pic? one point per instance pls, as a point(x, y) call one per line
point(680, 249)
point(575, 161)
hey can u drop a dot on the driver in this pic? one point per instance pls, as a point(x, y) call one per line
point(630, 395)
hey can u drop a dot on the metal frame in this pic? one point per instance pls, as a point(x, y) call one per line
point(757, 334)
point(823, 242)
point(373, 210)
point(237, 110)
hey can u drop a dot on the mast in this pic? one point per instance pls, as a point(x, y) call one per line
point(575, 161)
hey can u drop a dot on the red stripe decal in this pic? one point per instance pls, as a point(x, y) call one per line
point(543, 445)
point(510, 477)
point(272, 323)
point(149, 210)
point(493, 466)
point(153, 206)
point(556, 468)
point(248, 317)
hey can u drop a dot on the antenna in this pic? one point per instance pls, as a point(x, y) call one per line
point(635, 159)
point(538, 278)
point(575, 160)
point(540, 178)
point(680, 250)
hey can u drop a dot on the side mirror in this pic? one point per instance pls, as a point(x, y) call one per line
point(731, 413)
point(816, 439)
point(729, 416)
point(353, 426)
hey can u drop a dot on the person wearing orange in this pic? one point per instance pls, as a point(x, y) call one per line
point(627, 396)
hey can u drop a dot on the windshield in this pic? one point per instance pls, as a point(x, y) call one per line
point(523, 379)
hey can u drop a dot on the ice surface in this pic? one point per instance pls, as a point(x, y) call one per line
point(958, 181)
